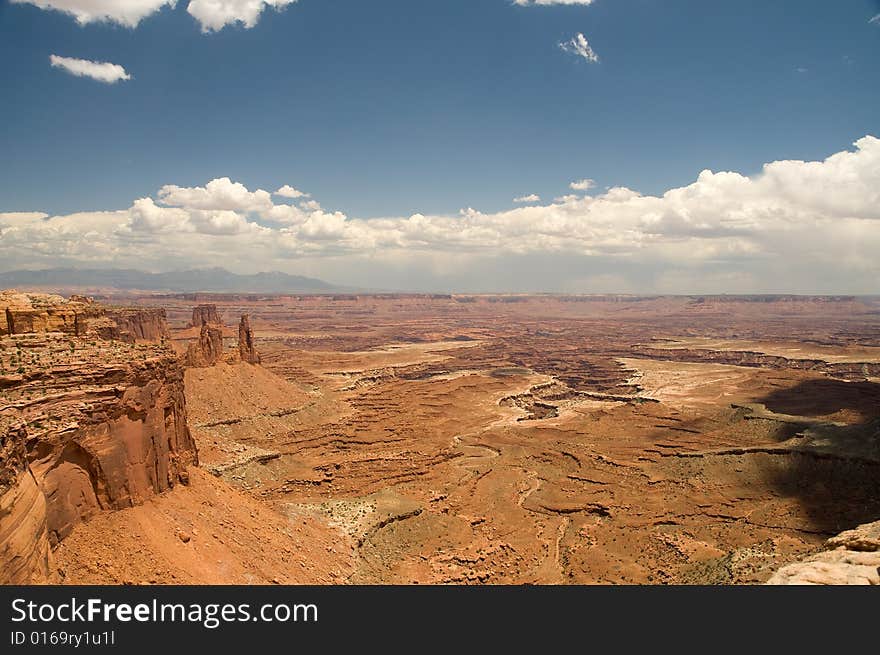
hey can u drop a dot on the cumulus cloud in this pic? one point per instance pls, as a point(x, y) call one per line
point(578, 45)
point(219, 194)
point(124, 12)
point(582, 185)
point(288, 191)
point(532, 197)
point(796, 226)
point(98, 70)
point(214, 15)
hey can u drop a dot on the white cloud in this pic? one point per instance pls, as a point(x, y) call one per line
point(214, 15)
point(532, 197)
point(797, 226)
point(875, 20)
point(219, 194)
point(570, 197)
point(578, 45)
point(147, 216)
point(288, 191)
point(124, 12)
point(285, 214)
point(97, 70)
point(582, 185)
point(23, 216)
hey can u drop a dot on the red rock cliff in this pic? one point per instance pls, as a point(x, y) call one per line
point(25, 556)
point(85, 425)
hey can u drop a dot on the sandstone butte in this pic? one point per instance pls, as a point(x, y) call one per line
point(100, 473)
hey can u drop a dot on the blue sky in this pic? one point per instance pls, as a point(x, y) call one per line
point(388, 108)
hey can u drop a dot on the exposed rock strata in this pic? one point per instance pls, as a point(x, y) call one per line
point(24, 545)
point(85, 424)
point(22, 314)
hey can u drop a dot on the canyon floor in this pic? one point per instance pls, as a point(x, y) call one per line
point(511, 439)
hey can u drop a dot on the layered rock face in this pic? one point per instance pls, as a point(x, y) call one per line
point(86, 424)
point(208, 349)
point(22, 313)
point(24, 544)
point(136, 325)
point(205, 314)
point(246, 349)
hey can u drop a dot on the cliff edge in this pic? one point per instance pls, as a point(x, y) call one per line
point(92, 417)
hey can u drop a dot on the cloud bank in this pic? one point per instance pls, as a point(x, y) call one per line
point(798, 226)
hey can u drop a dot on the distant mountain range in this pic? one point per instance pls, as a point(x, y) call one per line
point(216, 280)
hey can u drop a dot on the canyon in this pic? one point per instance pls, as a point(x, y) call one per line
point(439, 438)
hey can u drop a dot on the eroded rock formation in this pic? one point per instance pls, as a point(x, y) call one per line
point(207, 349)
point(205, 314)
point(86, 423)
point(246, 350)
point(24, 544)
point(25, 313)
point(136, 325)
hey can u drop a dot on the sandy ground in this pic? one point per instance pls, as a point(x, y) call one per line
point(204, 533)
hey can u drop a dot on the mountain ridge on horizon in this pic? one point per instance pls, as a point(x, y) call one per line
point(208, 280)
point(220, 280)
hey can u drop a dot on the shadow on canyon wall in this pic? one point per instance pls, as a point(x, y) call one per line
point(835, 473)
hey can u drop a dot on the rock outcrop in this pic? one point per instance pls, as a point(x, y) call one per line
point(853, 560)
point(87, 423)
point(25, 555)
point(205, 314)
point(137, 325)
point(22, 313)
point(207, 349)
point(25, 313)
point(246, 350)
